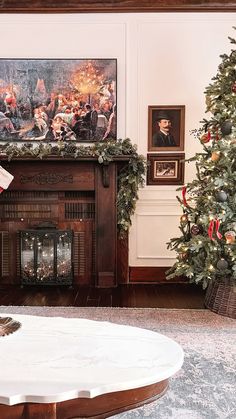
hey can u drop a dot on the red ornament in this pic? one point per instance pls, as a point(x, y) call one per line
point(183, 256)
point(214, 225)
point(184, 190)
point(217, 136)
point(234, 87)
point(196, 229)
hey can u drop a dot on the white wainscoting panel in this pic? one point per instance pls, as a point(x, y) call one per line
point(152, 223)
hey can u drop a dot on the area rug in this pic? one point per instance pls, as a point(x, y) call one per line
point(205, 386)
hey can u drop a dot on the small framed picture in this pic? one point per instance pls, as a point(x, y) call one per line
point(165, 169)
point(166, 128)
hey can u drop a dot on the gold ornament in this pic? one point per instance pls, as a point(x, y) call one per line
point(230, 237)
point(215, 155)
point(184, 219)
point(205, 138)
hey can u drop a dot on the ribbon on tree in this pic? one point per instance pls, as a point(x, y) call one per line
point(5, 179)
point(184, 190)
point(214, 224)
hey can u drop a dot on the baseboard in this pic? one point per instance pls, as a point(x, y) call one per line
point(145, 274)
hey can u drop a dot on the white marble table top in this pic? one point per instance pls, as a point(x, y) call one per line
point(53, 359)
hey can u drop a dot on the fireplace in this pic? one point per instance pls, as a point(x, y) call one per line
point(46, 256)
point(79, 198)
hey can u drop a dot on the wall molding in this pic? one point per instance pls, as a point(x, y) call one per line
point(157, 213)
point(117, 6)
point(158, 201)
point(151, 274)
point(156, 257)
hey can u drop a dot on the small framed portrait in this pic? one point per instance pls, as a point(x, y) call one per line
point(165, 169)
point(166, 128)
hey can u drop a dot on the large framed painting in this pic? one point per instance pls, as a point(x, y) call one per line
point(58, 99)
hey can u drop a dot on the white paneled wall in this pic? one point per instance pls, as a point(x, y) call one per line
point(163, 59)
point(154, 219)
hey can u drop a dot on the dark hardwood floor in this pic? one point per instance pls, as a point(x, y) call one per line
point(132, 295)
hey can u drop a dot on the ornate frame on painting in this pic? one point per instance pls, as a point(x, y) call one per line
point(57, 99)
point(172, 138)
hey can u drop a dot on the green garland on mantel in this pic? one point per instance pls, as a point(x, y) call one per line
point(130, 179)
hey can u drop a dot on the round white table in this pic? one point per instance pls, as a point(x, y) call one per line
point(59, 368)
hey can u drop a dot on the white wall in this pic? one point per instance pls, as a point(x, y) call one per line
point(163, 59)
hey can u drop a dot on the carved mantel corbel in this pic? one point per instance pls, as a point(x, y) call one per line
point(105, 175)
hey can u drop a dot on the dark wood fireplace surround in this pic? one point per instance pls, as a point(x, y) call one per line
point(79, 195)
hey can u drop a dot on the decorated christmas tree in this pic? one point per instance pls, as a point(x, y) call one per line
point(206, 248)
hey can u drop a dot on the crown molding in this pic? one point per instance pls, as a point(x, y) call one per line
point(115, 6)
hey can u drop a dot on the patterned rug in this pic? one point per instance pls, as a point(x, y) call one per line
point(205, 386)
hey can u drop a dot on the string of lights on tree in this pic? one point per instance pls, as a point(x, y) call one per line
point(206, 249)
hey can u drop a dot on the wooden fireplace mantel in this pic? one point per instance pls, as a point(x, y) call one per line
point(75, 176)
point(104, 166)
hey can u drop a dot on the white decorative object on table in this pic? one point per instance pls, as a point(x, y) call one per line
point(8, 326)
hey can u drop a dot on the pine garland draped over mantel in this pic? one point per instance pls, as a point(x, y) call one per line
point(130, 179)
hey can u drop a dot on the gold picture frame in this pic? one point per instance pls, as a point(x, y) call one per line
point(166, 128)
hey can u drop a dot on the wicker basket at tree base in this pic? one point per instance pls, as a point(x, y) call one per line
point(221, 298)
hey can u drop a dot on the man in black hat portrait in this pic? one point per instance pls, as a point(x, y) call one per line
point(163, 137)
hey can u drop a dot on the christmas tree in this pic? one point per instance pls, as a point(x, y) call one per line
point(206, 248)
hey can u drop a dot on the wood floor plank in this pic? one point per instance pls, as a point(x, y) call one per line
point(81, 297)
point(126, 295)
point(106, 298)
